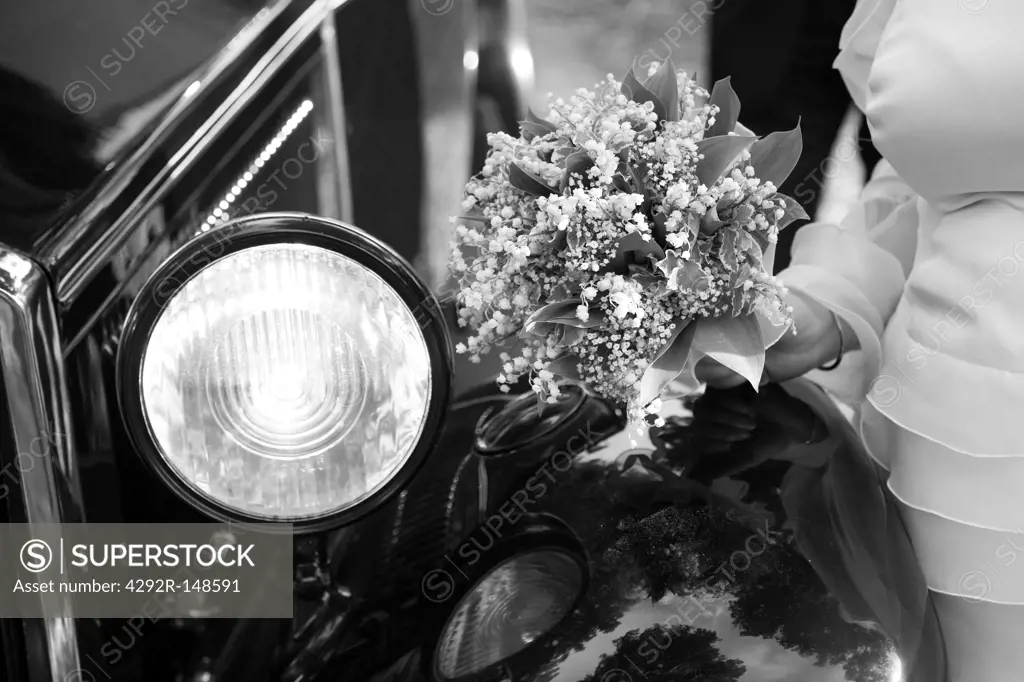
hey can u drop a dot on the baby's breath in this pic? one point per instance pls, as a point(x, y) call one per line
point(632, 242)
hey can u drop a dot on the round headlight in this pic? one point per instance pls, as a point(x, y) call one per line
point(519, 601)
point(273, 370)
point(511, 597)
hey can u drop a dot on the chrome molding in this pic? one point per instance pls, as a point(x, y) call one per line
point(72, 277)
point(339, 127)
point(37, 396)
point(128, 168)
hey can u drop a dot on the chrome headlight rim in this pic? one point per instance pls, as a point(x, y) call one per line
point(269, 229)
point(533, 533)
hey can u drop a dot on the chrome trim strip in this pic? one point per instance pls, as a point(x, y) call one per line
point(339, 126)
point(127, 169)
point(34, 375)
point(71, 283)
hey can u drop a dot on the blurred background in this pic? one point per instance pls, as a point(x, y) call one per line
point(576, 43)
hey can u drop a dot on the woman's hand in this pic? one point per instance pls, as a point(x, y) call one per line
point(733, 429)
point(816, 343)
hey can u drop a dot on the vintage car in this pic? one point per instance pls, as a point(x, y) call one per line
point(286, 186)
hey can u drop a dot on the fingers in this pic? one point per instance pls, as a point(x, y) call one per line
point(722, 418)
point(792, 414)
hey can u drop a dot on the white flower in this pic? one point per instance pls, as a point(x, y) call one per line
point(511, 260)
point(677, 239)
point(623, 304)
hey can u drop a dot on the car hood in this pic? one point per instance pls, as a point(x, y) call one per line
point(792, 567)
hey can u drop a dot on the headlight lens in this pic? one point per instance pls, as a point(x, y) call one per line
point(519, 601)
point(286, 382)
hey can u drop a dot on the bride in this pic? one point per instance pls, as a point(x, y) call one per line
point(919, 297)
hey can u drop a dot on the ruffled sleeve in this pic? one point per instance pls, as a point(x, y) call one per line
point(858, 269)
point(857, 45)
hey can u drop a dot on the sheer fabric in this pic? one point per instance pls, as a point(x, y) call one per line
point(926, 271)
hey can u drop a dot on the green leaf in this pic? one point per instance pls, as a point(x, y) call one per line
point(735, 342)
point(559, 240)
point(637, 92)
point(710, 222)
point(535, 126)
point(682, 275)
point(748, 246)
point(658, 229)
point(704, 247)
point(632, 248)
point(528, 183)
point(793, 209)
point(569, 335)
point(566, 366)
point(664, 86)
point(690, 229)
point(643, 276)
point(719, 153)
point(535, 119)
point(530, 130)
point(741, 129)
point(558, 294)
point(577, 163)
point(775, 156)
point(638, 178)
point(768, 263)
point(668, 362)
point(771, 330)
point(593, 321)
point(743, 214)
point(554, 311)
point(563, 313)
point(689, 276)
point(762, 240)
point(725, 99)
point(728, 254)
point(739, 300)
point(562, 153)
point(670, 262)
point(622, 178)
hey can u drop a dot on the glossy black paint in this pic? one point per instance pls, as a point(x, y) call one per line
point(757, 575)
point(279, 228)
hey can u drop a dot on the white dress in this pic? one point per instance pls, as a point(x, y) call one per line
point(929, 270)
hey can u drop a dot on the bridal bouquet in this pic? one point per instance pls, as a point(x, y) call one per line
point(625, 238)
